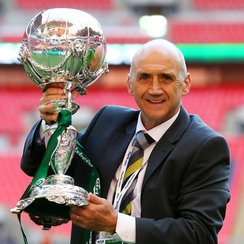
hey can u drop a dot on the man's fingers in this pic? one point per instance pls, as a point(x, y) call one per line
point(46, 108)
point(48, 98)
point(53, 90)
point(94, 199)
point(75, 94)
point(54, 85)
point(49, 118)
point(74, 217)
point(47, 112)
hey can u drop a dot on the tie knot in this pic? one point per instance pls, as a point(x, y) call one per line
point(143, 139)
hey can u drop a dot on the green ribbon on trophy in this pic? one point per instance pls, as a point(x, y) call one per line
point(64, 120)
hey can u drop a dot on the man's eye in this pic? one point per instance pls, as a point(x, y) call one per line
point(166, 77)
point(144, 76)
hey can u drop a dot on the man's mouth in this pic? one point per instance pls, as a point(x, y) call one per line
point(155, 101)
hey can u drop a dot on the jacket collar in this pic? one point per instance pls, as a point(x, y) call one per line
point(167, 143)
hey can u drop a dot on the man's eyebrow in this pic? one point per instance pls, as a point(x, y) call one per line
point(143, 73)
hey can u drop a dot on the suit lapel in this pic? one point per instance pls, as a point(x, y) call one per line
point(116, 152)
point(166, 144)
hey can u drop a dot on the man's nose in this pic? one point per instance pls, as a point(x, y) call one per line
point(155, 87)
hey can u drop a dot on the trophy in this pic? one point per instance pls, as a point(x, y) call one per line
point(67, 46)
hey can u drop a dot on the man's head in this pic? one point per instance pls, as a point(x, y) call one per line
point(158, 79)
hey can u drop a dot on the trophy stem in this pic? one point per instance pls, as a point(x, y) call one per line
point(59, 179)
point(67, 89)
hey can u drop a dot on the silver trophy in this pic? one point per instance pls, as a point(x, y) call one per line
point(66, 46)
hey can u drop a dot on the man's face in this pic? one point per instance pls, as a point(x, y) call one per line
point(158, 83)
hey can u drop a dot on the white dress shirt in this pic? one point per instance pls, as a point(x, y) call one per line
point(125, 228)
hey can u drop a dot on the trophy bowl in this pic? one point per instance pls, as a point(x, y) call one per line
point(68, 46)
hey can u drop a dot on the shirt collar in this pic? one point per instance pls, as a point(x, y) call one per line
point(157, 132)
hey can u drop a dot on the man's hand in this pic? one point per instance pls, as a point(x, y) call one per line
point(98, 215)
point(52, 92)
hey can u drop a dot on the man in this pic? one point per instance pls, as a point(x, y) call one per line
point(181, 189)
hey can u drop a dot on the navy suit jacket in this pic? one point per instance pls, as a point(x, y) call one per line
point(185, 188)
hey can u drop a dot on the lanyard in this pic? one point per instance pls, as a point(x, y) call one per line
point(120, 192)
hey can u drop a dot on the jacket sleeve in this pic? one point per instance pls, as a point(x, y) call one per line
point(33, 151)
point(200, 203)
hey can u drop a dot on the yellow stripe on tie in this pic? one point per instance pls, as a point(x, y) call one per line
point(134, 167)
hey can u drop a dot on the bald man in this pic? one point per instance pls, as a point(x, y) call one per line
point(180, 191)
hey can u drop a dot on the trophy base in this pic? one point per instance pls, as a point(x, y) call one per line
point(48, 205)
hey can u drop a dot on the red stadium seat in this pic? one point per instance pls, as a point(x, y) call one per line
point(82, 4)
point(218, 4)
point(205, 32)
point(13, 184)
point(237, 174)
point(13, 106)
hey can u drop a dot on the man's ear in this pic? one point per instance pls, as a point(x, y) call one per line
point(129, 85)
point(187, 84)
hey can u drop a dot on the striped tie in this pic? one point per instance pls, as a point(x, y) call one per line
point(141, 142)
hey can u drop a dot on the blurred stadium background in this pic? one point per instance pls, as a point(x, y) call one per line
point(210, 33)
